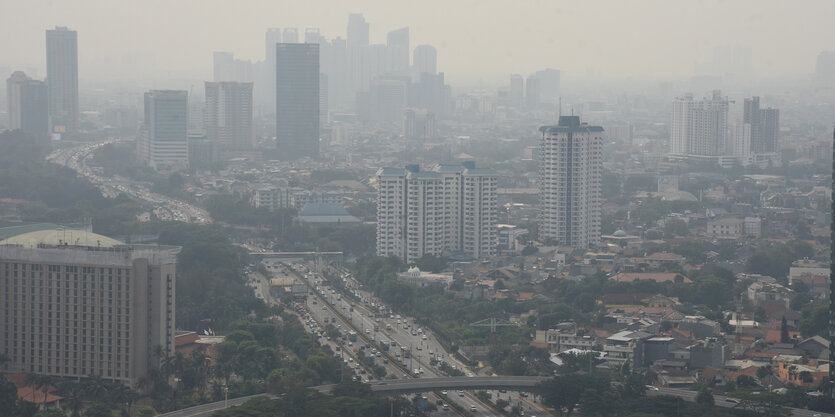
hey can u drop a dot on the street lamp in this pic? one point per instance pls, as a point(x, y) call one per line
point(225, 396)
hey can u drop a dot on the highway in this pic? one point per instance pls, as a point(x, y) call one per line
point(375, 326)
point(163, 207)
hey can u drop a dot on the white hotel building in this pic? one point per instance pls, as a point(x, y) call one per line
point(449, 210)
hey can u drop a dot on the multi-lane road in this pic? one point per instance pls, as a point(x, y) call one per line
point(163, 207)
point(363, 313)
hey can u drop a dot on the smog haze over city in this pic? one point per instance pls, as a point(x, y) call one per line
point(435, 208)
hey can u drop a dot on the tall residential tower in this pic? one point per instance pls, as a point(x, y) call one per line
point(570, 172)
point(28, 106)
point(229, 114)
point(449, 210)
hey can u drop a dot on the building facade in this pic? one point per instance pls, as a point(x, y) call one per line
point(763, 126)
point(163, 142)
point(570, 172)
point(229, 114)
point(699, 128)
point(449, 210)
point(28, 106)
point(297, 100)
point(78, 304)
point(62, 79)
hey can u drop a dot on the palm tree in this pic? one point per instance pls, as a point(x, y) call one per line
point(31, 379)
point(95, 387)
point(44, 382)
point(73, 396)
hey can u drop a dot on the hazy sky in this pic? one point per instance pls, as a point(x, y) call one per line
point(120, 40)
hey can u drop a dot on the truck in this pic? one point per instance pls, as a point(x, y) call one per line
point(384, 345)
point(406, 352)
point(352, 336)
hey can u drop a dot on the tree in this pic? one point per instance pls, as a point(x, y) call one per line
point(705, 397)
point(98, 410)
point(745, 381)
point(8, 398)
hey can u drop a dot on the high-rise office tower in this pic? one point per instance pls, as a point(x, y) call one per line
point(549, 85)
point(425, 60)
point(397, 45)
point(290, 35)
point(311, 35)
point(533, 90)
point(28, 106)
point(517, 91)
point(229, 114)
point(224, 66)
point(448, 210)
point(265, 89)
point(699, 128)
point(163, 142)
point(101, 306)
point(62, 79)
point(323, 99)
point(358, 31)
point(297, 100)
point(832, 285)
point(764, 126)
point(570, 172)
point(825, 67)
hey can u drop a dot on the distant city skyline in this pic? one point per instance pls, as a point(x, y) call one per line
point(645, 38)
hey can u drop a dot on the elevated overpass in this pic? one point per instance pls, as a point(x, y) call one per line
point(407, 386)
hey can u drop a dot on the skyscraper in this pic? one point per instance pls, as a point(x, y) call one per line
point(290, 35)
point(265, 90)
point(570, 172)
point(311, 35)
point(224, 66)
point(62, 79)
point(28, 106)
point(358, 31)
point(425, 60)
point(517, 91)
point(397, 45)
point(448, 210)
point(825, 67)
point(549, 85)
point(532, 92)
point(297, 100)
point(163, 142)
point(699, 128)
point(102, 306)
point(229, 114)
point(764, 126)
point(832, 284)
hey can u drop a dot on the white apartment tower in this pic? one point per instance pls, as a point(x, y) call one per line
point(449, 210)
point(570, 171)
point(699, 128)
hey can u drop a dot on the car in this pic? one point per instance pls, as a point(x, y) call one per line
point(473, 409)
point(445, 407)
point(443, 392)
point(732, 400)
point(652, 388)
point(418, 347)
point(460, 393)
